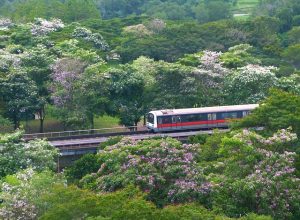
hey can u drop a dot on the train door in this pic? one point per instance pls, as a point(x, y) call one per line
point(212, 120)
point(176, 121)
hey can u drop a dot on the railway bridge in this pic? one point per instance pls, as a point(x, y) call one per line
point(73, 144)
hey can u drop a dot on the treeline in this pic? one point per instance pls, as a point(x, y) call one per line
point(199, 10)
point(70, 10)
point(126, 67)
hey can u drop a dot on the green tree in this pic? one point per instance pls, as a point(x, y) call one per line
point(78, 10)
point(213, 10)
point(20, 95)
point(127, 93)
point(16, 154)
point(29, 9)
point(37, 64)
point(249, 84)
point(85, 165)
point(292, 55)
point(279, 110)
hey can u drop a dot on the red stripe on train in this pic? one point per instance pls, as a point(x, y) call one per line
point(182, 124)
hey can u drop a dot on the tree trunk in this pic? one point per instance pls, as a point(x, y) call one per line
point(16, 124)
point(41, 113)
point(41, 125)
point(91, 119)
point(135, 124)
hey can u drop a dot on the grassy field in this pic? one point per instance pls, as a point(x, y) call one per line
point(51, 124)
point(245, 6)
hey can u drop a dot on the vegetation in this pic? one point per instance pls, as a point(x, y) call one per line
point(95, 63)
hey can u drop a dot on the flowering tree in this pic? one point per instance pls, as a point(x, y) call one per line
point(156, 25)
point(42, 27)
point(16, 154)
point(5, 23)
point(22, 194)
point(9, 60)
point(258, 175)
point(88, 36)
point(249, 84)
point(66, 73)
point(164, 168)
point(138, 30)
point(290, 84)
point(79, 92)
point(212, 73)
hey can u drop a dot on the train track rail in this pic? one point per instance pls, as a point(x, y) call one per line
point(90, 133)
point(87, 141)
point(95, 141)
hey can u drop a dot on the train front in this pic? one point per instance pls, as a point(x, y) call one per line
point(151, 121)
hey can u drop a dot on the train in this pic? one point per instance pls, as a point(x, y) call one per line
point(196, 118)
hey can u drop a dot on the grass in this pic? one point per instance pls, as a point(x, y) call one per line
point(245, 6)
point(53, 125)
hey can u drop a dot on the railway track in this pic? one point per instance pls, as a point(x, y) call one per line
point(87, 141)
point(95, 141)
point(91, 133)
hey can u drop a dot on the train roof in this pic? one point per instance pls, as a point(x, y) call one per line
point(183, 111)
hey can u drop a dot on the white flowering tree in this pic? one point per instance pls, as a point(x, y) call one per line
point(249, 84)
point(290, 83)
point(9, 60)
point(5, 24)
point(88, 36)
point(41, 27)
point(16, 154)
point(212, 73)
point(22, 193)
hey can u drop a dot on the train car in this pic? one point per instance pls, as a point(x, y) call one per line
point(196, 118)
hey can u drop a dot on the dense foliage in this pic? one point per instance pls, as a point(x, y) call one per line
point(81, 71)
point(75, 60)
point(17, 154)
point(227, 173)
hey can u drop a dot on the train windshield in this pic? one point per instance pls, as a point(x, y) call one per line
point(150, 118)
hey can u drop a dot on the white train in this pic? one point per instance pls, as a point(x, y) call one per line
point(196, 118)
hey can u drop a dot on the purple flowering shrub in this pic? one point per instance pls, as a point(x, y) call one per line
point(259, 176)
point(164, 168)
point(271, 188)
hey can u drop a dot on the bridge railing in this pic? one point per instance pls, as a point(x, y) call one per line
point(80, 133)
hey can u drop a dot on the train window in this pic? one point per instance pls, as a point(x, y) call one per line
point(212, 116)
point(150, 118)
point(164, 120)
point(229, 115)
point(192, 117)
point(245, 113)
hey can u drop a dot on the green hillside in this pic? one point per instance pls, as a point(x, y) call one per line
point(245, 6)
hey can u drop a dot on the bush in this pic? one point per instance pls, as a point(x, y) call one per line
point(85, 165)
point(164, 168)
